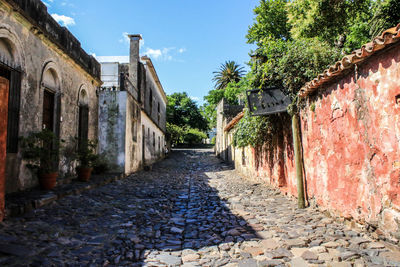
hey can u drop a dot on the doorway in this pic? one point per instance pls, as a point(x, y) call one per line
point(4, 89)
point(83, 127)
point(48, 111)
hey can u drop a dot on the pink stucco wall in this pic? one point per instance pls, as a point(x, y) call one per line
point(351, 143)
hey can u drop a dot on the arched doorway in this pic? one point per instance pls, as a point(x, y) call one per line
point(51, 101)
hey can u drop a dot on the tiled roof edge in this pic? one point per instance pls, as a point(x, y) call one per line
point(233, 122)
point(36, 12)
point(380, 42)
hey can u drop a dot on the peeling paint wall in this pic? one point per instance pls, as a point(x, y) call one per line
point(112, 122)
point(154, 141)
point(351, 146)
point(36, 54)
point(351, 142)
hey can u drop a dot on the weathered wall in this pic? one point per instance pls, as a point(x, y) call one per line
point(274, 166)
point(351, 141)
point(36, 54)
point(220, 139)
point(112, 122)
point(132, 136)
point(154, 147)
point(151, 105)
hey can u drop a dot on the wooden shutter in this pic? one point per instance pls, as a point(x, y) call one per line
point(13, 112)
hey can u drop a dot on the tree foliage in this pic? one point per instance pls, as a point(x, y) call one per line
point(296, 40)
point(227, 73)
point(193, 136)
point(184, 135)
point(386, 15)
point(271, 21)
point(227, 83)
point(185, 121)
point(183, 111)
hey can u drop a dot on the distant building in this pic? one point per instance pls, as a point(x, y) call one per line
point(132, 113)
point(223, 141)
point(51, 82)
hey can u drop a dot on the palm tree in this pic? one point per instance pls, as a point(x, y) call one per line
point(228, 72)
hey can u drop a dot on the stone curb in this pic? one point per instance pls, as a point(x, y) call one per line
point(23, 202)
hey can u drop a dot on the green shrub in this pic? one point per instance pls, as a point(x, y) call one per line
point(194, 136)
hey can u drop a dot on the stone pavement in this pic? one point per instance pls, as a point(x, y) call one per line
point(190, 210)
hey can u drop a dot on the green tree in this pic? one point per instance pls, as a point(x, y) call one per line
point(175, 133)
point(194, 136)
point(228, 72)
point(271, 21)
point(184, 112)
point(341, 23)
point(386, 15)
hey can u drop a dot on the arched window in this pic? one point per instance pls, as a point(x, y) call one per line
point(83, 120)
point(51, 100)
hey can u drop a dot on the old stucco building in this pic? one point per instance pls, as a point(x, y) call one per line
point(52, 84)
point(132, 118)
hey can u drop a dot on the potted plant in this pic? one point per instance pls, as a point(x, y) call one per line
point(86, 156)
point(41, 150)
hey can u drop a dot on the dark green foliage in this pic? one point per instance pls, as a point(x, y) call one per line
point(271, 21)
point(257, 131)
point(183, 111)
point(100, 165)
point(184, 135)
point(386, 15)
point(232, 93)
point(41, 150)
point(331, 21)
point(175, 133)
point(86, 153)
point(193, 137)
point(227, 73)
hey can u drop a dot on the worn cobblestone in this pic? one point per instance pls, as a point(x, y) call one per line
point(189, 210)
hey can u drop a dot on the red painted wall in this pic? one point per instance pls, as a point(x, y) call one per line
point(351, 144)
point(351, 147)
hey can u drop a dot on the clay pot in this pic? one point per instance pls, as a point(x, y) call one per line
point(48, 180)
point(84, 173)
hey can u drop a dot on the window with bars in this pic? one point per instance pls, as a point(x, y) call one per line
point(14, 98)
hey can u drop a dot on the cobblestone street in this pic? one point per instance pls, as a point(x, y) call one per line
point(189, 210)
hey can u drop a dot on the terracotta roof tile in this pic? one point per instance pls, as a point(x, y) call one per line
point(234, 121)
point(380, 42)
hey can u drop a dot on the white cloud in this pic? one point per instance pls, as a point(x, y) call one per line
point(182, 50)
point(125, 40)
point(154, 53)
point(63, 20)
point(165, 54)
point(195, 98)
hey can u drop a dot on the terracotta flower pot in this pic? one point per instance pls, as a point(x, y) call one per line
point(48, 180)
point(84, 173)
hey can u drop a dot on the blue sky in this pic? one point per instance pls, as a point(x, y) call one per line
point(186, 39)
